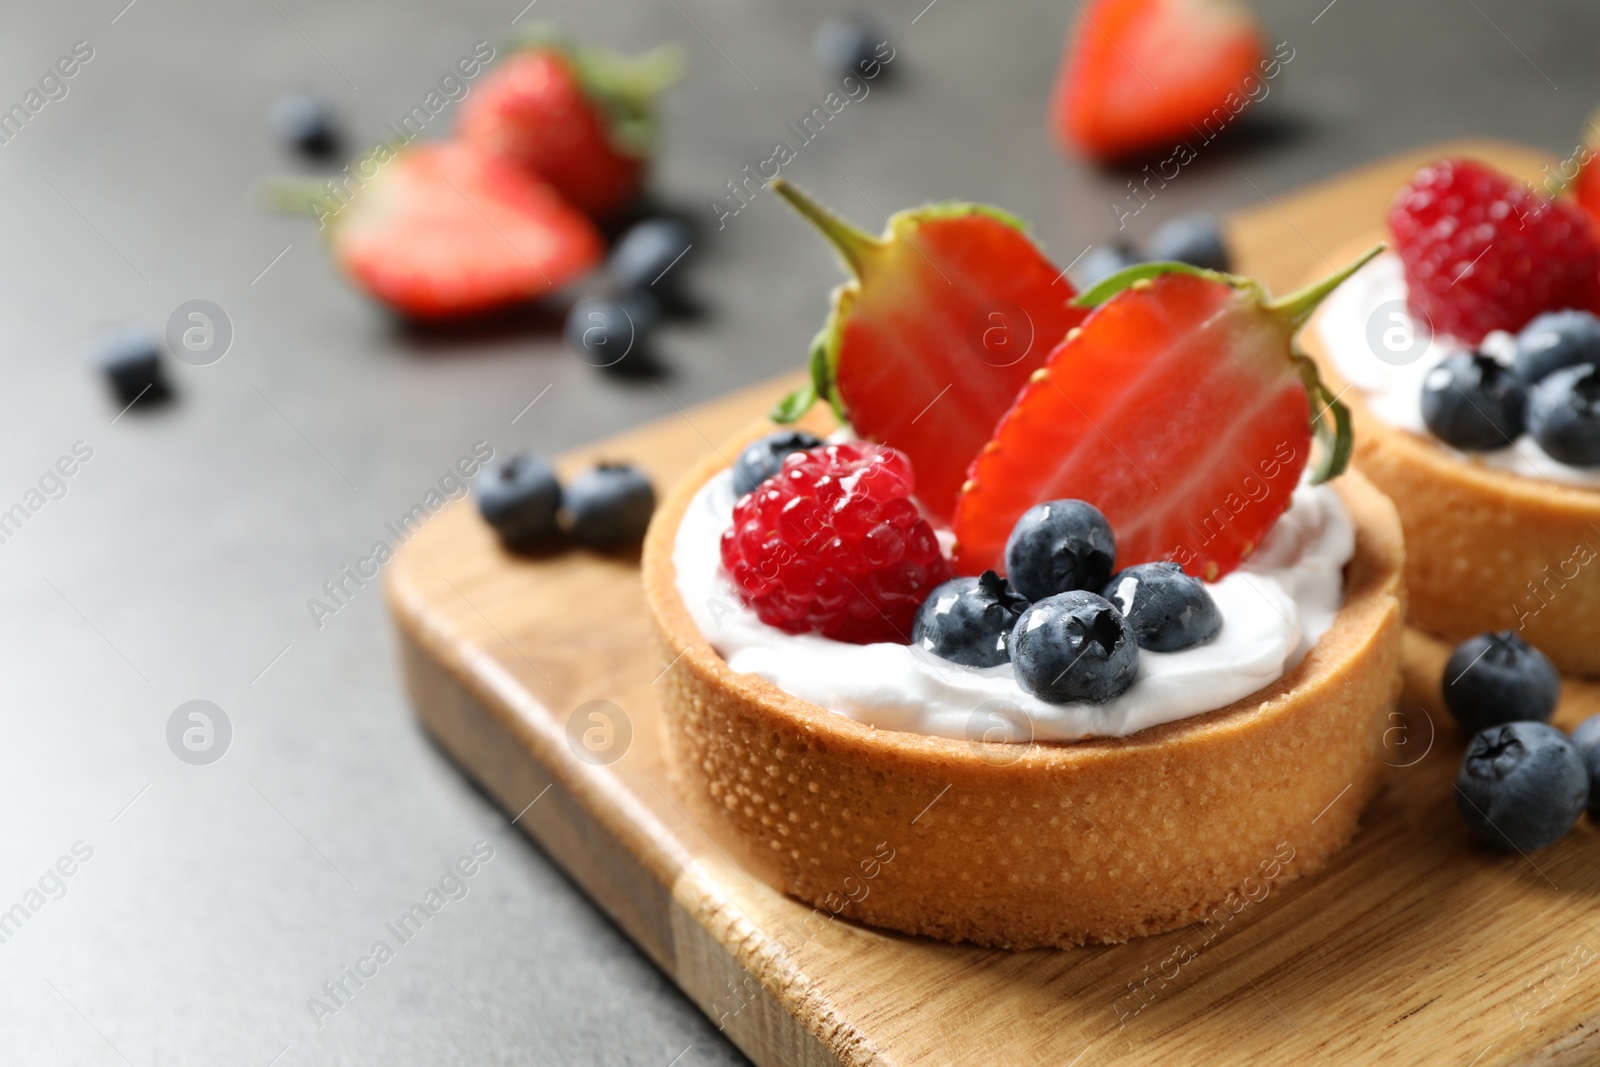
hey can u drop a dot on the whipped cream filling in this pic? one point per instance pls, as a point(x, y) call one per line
point(1373, 341)
point(1274, 608)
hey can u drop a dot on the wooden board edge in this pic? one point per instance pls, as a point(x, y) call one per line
point(648, 911)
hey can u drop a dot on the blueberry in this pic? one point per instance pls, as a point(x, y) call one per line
point(1060, 545)
point(762, 459)
point(130, 356)
point(1074, 648)
point(1168, 610)
point(1587, 735)
point(609, 505)
point(1591, 766)
point(651, 255)
point(307, 124)
point(1521, 786)
point(969, 620)
point(1102, 261)
point(1586, 739)
point(1472, 403)
point(519, 496)
point(1496, 678)
point(1195, 238)
point(850, 46)
point(1564, 415)
point(602, 332)
point(1555, 340)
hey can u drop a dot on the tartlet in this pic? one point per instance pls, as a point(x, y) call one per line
point(1485, 549)
point(1058, 844)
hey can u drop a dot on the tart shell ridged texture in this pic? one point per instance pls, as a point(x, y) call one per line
point(1485, 549)
point(1045, 844)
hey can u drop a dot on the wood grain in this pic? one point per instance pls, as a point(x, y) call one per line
point(1417, 946)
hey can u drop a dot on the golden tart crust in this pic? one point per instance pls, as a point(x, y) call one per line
point(1050, 843)
point(1485, 549)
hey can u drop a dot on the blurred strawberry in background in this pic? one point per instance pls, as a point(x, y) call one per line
point(580, 119)
point(447, 230)
point(1140, 74)
point(1586, 186)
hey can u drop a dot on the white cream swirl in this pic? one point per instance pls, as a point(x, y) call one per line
point(1374, 344)
point(1274, 608)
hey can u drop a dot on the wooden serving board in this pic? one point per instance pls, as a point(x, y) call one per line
point(1416, 946)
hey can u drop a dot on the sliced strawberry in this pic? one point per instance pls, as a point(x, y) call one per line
point(1180, 409)
point(949, 312)
point(445, 229)
point(1142, 74)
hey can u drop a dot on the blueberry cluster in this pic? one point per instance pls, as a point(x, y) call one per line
point(1550, 389)
point(642, 283)
point(1195, 239)
point(1070, 627)
point(1522, 783)
point(607, 506)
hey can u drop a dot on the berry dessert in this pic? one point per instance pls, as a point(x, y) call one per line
point(1472, 360)
point(1118, 537)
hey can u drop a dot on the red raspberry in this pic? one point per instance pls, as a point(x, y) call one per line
point(1484, 252)
point(832, 543)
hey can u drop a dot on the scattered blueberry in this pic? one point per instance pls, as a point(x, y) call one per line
point(1564, 415)
point(1102, 261)
point(1058, 546)
point(1521, 786)
point(762, 459)
point(651, 255)
point(969, 620)
point(602, 332)
point(1587, 735)
point(1168, 609)
point(307, 124)
point(1195, 238)
point(519, 496)
point(131, 358)
point(1586, 739)
point(1497, 678)
point(1555, 340)
point(1074, 647)
point(609, 505)
point(1471, 402)
point(849, 46)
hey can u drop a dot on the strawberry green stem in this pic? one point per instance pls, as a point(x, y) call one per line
point(856, 247)
point(294, 196)
point(1296, 308)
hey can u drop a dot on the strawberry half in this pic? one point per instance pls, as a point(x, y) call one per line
point(1141, 74)
point(580, 119)
point(445, 230)
point(947, 315)
point(1180, 409)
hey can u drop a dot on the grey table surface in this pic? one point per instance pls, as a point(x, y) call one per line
point(215, 901)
